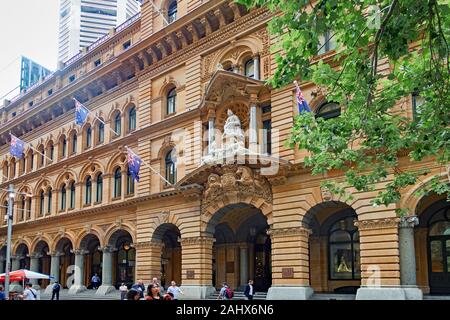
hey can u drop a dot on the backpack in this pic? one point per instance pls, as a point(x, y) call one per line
point(229, 293)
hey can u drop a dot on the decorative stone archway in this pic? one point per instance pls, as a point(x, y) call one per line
point(219, 188)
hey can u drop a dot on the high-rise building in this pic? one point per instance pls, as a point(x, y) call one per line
point(82, 22)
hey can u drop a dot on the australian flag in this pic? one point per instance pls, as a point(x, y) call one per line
point(81, 112)
point(134, 164)
point(16, 148)
point(301, 102)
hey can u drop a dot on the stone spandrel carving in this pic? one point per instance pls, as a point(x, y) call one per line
point(240, 179)
point(233, 142)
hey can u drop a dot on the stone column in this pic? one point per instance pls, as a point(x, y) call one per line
point(380, 261)
point(196, 275)
point(78, 286)
point(148, 260)
point(256, 66)
point(408, 257)
point(54, 270)
point(253, 127)
point(290, 264)
point(243, 250)
point(107, 270)
point(34, 266)
point(15, 265)
point(210, 133)
point(251, 261)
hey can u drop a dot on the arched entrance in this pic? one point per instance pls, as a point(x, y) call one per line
point(67, 259)
point(242, 249)
point(124, 258)
point(169, 235)
point(92, 260)
point(433, 237)
point(41, 250)
point(334, 250)
point(22, 256)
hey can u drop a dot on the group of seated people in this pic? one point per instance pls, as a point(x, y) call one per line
point(154, 292)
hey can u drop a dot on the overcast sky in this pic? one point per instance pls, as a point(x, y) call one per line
point(28, 28)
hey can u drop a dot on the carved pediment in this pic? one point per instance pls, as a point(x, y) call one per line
point(235, 179)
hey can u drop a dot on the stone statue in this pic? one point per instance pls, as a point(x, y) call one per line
point(233, 142)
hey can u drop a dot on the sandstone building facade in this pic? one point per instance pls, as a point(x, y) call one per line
point(164, 91)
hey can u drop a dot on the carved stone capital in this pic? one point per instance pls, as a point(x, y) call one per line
point(377, 223)
point(203, 241)
point(79, 251)
point(408, 222)
point(287, 232)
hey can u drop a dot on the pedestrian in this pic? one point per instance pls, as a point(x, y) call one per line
point(133, 294)
point(154, 284)
point(95, 281)
point(139, 287)
point(168, 296)
point(29, 293)
point(123, 291)
point(249, 292)
point(223, 292)
point(55, 290)
point(154, 294)
point(2, 294)
point(174, 290)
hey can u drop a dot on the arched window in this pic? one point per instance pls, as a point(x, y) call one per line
point(171, 101)
point(31, 160)
point(49, 201)
point(88, 137)
point(51, 151)
point(72, 195)
point(117, 124)
point(343, 239)
point(117, 183)
point(23, 165)
point(28, 208)
point(74, 143)
point(99, 193)
point(63, 147)
point(130, 182)
point(63, 199)
point(101, 132)
point(249, 68)
point(172, 12)
point(132, 119)
point(21, 212)
point(13, 167)
point(171, 170)
point(41, 203)
point(328, 110)
point(88, 191)
point(41, 156)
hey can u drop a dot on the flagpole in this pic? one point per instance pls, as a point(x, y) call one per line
point(151, 168)
point(33, 148)
point(91, 113)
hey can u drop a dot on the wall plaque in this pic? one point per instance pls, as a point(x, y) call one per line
point(190, 274)
point(287, 273)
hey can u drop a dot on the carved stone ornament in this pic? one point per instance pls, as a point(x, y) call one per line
point(326, 194)
point(240, 179)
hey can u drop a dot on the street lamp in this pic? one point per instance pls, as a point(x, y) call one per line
point(11, 196)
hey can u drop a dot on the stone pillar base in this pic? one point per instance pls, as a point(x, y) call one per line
point(104, 290)
point(389, 293)
point(289, 293)
point(76, 289)
point(196, 292)
point(49, 289)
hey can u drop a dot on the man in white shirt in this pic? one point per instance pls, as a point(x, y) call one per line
point(173, 289)
point(249, 292)
point(29, 293)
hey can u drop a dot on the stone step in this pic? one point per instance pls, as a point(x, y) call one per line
point(436, 297)
point(239, 295)
point(332, 296)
